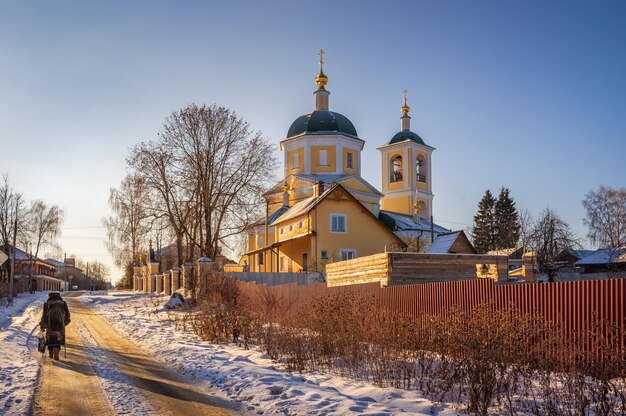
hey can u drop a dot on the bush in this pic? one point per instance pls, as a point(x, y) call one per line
point(487, 359)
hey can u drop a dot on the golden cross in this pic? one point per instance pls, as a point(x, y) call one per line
point(405, 92)
point(321, 54)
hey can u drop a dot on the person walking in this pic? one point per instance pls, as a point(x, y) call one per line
point(56, 316)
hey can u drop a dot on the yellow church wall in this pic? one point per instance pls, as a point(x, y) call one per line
point(421, 185)
point(292, 228)
point(293, 250)
point(291, 169)
point(364, 232)
point(355, 161)
point(408, 169)
point(400, 204)
point(331, 159)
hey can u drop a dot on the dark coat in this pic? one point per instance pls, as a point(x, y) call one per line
point(56, 316)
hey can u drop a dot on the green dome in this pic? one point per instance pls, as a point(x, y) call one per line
point(322, 121)
point(406, 135)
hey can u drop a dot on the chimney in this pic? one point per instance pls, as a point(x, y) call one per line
point(318, 189)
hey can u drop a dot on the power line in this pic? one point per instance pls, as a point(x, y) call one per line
point(83, 228)
point(79, 237)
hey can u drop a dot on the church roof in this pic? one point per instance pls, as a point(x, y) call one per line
point(396, 221)
point(321, 121)
point(406, 135)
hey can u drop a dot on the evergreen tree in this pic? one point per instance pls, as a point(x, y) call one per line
point(483, 231)
point(506, 221)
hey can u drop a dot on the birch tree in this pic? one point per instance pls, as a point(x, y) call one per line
point(606, 217)
point(128, 227)
point(43, 226)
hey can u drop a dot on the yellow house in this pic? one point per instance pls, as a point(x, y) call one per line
point(324, 211)
point(328, 226)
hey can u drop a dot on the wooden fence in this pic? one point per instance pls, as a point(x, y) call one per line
point(574, 306)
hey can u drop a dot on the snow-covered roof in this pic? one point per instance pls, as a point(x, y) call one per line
point(581, 254)
point(604, 256)
point(443, 243)
point(19, 254)
point(396, 222)
point(302, 207)
point(55, 263)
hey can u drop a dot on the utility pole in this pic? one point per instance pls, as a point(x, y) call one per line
point(12, 274)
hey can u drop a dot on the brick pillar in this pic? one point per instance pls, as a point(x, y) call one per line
point(167, 283)
point(175, 279)
point(189, 278)
point(204, 266)
point(159, 283)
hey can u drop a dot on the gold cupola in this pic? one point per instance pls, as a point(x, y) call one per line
point(405, 120)
point(321, 78)
point(405, 107)
point(321, 95)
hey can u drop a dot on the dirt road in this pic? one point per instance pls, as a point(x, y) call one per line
point(76, 386)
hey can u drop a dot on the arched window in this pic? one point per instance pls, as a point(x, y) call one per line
point(420, 167)
point(396, 169)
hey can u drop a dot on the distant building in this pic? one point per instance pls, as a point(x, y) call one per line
point(603, 260)
point(454, 242)
point(27, 266)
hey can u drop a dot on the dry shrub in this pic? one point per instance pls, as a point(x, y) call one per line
point(220, 314)
point(490, 360)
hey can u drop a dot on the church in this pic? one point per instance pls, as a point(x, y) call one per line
point(324, 211)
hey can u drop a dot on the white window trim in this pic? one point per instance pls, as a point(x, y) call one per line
point(345, 223)
point(322, 256)
point(347, 250)
point(349, 160)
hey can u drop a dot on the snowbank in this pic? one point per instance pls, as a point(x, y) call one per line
point(19, 365)
point(248, 376)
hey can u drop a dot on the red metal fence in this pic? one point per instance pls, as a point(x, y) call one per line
point(574, 306)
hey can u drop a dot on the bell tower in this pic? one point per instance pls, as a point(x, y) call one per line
point(407, 171)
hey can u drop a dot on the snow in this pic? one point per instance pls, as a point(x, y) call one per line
point(443, 243)
point(604, 256)
point(247, 375)
point(120, 392)
point(19, 362)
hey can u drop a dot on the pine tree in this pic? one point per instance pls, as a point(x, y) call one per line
point(483, 231)
point(506, 221)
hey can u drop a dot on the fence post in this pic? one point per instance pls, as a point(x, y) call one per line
point(167, 283)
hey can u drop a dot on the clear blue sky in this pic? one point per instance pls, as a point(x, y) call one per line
point(530, 95)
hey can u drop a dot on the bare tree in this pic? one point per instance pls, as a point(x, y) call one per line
point(606, 217)
point(43, 226)
point(12, 226)
point(128, 227)
point(207, 171)
point(550, 235)
point(526, 228)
